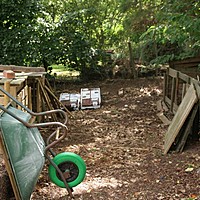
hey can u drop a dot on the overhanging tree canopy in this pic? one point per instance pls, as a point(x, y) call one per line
point(54, 31)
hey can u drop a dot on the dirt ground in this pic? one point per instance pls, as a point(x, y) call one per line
point(122, 145)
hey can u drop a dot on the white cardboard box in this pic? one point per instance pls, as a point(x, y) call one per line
point(70, 100)
point(90, 98)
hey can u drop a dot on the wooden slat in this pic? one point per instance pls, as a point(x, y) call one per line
point(183, 91)
point(21, 68)
point(159, 105)
point(13, 82)
point(187, 130)
point(164, 106)
point(186, 66)
point(176, 89)
point(38, 100)
point(181, 115)
point(167, 100)
point(163, 118)
point(47, 100)
point(197, 86)
point(172, 73)
point(30, 98)
point(184, 77)
point(187, 60)
point(9, 169)
point(173, 91)
point(57, 100)
point(165, 86)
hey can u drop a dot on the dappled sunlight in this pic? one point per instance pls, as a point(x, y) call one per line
point(88, 186)
point(90, 147)
point(146, 91)
point(95, 183)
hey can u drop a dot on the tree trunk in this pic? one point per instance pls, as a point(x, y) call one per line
point(131, 62)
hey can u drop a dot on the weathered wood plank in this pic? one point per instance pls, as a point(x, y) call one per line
point(30, 98)
point(163, 118)
point(176, 89)
point(181, 115)
point(173, 91)
point(9, 169)
point(187, 130)
point(21, 68)
point(164, 106)
point(172, 73)
point(187, 60)
point(159, 105)
point(165, 85)
point(184, 77)
point(168, 101)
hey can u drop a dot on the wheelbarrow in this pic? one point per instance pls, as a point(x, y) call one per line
point(25, 150)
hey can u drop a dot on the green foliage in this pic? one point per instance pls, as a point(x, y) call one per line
point(17, 23)
point(68, 32)
point(176, 30)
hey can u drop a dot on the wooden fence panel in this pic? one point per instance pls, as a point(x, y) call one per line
point(181, 115)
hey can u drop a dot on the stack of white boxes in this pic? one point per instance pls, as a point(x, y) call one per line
point(89, 98)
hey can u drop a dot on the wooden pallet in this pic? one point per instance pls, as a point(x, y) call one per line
point(187, 108)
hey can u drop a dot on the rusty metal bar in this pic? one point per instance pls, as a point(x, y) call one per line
point(33, 113)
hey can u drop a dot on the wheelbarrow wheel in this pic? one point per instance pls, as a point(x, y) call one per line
point(72, 166)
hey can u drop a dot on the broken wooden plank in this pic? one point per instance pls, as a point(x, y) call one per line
point(163, 118)
point(181, 115)
point(159, 105)
point(164, 106)
point(187, 131)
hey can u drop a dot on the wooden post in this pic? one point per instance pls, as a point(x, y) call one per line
point(34, 95)
point(165, 87)
point(172, 94)
point(38, 101)
point(47, 100)
point(176, 88)
point(30, 98)
point(7, 89)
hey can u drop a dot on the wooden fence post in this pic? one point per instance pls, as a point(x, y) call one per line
point(7, 89)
